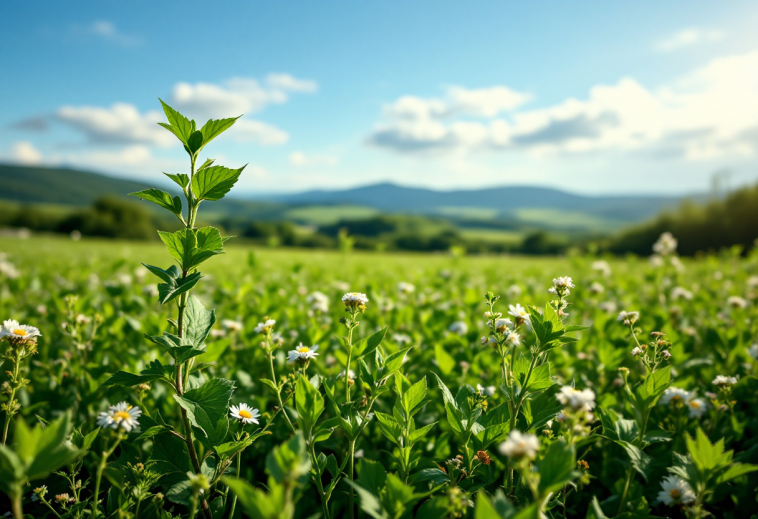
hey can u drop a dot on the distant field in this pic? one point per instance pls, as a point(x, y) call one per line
point(326, 215)
point(567, 220)
point(494, 235)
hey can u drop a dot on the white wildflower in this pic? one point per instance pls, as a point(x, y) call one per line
point(737, 302)
point(459, 327)
point(674, 394)
point(666, 244)
point(245, 414)
point(120, 416)
point(232, 326)
point(265, 327)
point(405, 288)
point(520, 445)
point(19, 332)
point(724, 381)
point(577, 400)
point(318, 301)
point(675, 491)
point(302, 353)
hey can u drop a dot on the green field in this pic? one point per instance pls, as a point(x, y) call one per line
point(93, 303)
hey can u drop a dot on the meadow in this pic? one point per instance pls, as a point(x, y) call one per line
point(196, 378)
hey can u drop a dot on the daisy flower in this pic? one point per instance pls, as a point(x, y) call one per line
point(244, 413)
point(355, 300)
point(628, 317)
point(302, 353)
point(232, 326)
point(19, 332)
point(736, 302)
point(503, 324)
point(265, 327)
point(405, 288)
point(319, 302)
point(564, 281)
point(675, 491)
point(121, 415)
point(513, 339)
point(520, 445)
point(519, 312)
point(486, 391)
point(697, 407)
point(675, 394)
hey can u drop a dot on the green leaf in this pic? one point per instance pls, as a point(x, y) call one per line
point(177, 123)
point(162, 199)
point(195, 142)
point(372, 476)
point(413, 398)
point(215, 127)
point(309, 404)
point(154, 371)
point(540, 378)
point(435, 475)
point(289, 461)
point(640, 461)
point(43, 450)
point(257, 503)
point(229, 449)
point(369, 502)
point(197, 321)
point(191, 247)
point(207, 408)
point(181, 179)
point(181, 349)
point(393, 362)
point(444, 360)
point(557, 467)
point(544, 408)
point(369, 345)
point(214, 182)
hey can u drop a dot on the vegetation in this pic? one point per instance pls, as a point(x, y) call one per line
point(291, 384)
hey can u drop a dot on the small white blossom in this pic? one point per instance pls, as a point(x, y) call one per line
point(608, 307)
point(353, 299)
point(244, 413)
point(564, 281)
point(628, 316)
point(666, 244)
point(121, 415)
point(577, 400)
point(596, 288)
point(319, 302)
point(513, 339)
point(265, 327)
point(675, 491)
point(602, 266)
point(520, 445)
point(232, 326)
point(636, 351)
point(724, 381)
point(697, 407)
point(503, 324)
point(405, 288)
point(737, 302)
point(519, 312)
point(486, 391)
point(401, 338)
point(681, 293)
point(302, 353)
point(459, 327)
point(674, 394)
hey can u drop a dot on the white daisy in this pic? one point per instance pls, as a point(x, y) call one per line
point(564, 281)
point(244, 413)
point(355, 300)
point(665, 245)
point(576, 399)
point(681, 293)
point(21, 332)
point(675, 491)
point(503, 324)
point(636, 351)
point(697, 407)
point(736, 302)
point(520, 445)
point(596, 288)
point(602, 266)
point(608, 307)
point(265, 327)
point(674, 394)
point(519, 312)
point(628, 317)
point(121, 415)
point(486, 391)
point(302, 353)
point(513, 339)
point(318, 301)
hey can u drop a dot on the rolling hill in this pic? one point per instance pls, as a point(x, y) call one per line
point(492, 207)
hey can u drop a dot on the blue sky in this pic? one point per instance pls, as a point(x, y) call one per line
point(593, 97)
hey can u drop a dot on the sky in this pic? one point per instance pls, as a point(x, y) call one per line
point(590, 97)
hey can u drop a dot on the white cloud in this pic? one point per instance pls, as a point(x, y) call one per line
point(121, 123)
point(107, 31)
point(482, 102)
point(24, 152)
point(300, 159)
point(687, 38)
point(705, 114)
point(291, 83)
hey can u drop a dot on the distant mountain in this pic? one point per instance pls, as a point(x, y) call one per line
point(497, 206)
point(507, 201)
point(59, 185)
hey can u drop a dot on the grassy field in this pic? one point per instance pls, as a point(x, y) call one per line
point(605, 428)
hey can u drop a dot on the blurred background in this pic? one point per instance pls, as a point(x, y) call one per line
point(473, 127)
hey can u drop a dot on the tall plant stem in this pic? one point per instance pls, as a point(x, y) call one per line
point(99, 475)
point(8, 415)
point(234, 499)
point(278, 392)
point(352, 477)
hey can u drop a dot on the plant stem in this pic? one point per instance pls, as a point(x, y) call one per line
point(16, 504)
point(234, 499)
point(99, 475)
point(11, 406)
point(352, 478)
point(278, 392)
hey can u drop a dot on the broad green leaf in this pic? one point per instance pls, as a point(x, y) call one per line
point(229, 449)
point(215, 127)
point(434, 475)
point(207, 408)
point(369, 345)
point(177, 123)
point(181, 179)
point(544, 408)
point(540, 378)
point(372, 476)
point(191, 247)
point(289, 461)
point(43, 450)
point(213, 182)
point(181, 349)
point(162, 199)
point(154, 371)
point(195, 142)
point(413, 397)
point(557, 467)
point(197, 321)
point(257, 503)
point(309, 403)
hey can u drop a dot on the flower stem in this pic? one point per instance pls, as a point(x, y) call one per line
point(11, 403)
point(278, 392)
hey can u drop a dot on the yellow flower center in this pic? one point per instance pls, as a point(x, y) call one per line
point(121, 415)
point(244, 414)
point(675, 493)
point(303, 349)
point(695, 404)
point(19, 331)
